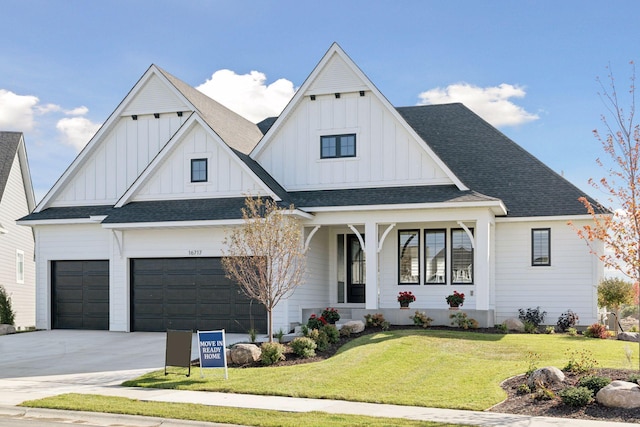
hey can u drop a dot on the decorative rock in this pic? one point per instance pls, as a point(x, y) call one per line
point(545, 376)
point(620, 394)
point(356, 326)
point(241, 354)
point(514, 324)
point(7, 329)
point(629, 336)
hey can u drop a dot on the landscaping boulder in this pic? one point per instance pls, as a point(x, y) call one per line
point(628, 336)
point(356, 326)
point(241, 354)
point(514, 324)
point(620, 394)
point(545, 376)
point(7, 329)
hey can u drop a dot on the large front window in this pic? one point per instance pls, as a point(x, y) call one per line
point(461, 256)
point(409, 257)
point(435, 255)
point(332, 146)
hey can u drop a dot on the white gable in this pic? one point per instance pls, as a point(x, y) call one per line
point(169, 177)
point(336, 76)
point(155, 97)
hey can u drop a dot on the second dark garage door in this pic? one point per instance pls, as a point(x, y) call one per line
point(189, 293)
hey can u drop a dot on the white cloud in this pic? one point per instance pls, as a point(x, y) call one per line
point(491, 103)
point(80, 111)
point(16, 111)
point(248, 94)
point(77, 131)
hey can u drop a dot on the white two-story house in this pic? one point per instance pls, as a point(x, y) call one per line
point(427, 199)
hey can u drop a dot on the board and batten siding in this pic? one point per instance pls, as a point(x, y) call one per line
point(119, 159)
point(569, 283)
point(64, 243)
point(226, 174)
point(13, 205)
point(386, 154)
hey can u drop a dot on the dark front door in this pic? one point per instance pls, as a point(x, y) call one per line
point(356, 272)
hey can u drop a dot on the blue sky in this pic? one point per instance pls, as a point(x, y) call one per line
point(529, 67)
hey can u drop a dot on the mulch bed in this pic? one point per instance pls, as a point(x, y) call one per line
point(514, 403)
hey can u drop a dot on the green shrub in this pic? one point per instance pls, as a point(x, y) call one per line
point(461, 320)
point(567, 320)
point(581, 362)
point(346, 330)
point(333, 335)
point(593, 382)
point(634, 378)
point(272, 352)
point(532, 315)
point(376, 320)
point(572, 332)
point(597, 331)
point(421, 319)
point(7, 315)
point(523, 389)
point(316, 322)
point(576, 396)
point(550, 330)
point(544, 393)
point(279, 335)
point(614, 292)
point(530, 328)
point(320, 338)
point(303, 347)
point(502, 328)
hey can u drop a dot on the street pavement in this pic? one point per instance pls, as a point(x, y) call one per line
point(47, 363)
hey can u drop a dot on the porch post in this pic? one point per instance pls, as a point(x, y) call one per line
point(483, 263)
point(371, 254)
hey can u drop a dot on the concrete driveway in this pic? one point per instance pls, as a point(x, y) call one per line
point(45, 363)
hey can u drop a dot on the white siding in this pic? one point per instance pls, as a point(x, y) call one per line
point(63, 243)
point(158, 98)
point(386, 153)
point(336, 76)
point(14, 206)
point(226, 175)
point(569, 283)
point(118, 160)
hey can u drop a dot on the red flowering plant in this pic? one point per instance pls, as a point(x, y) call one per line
point(406, 297)
point(456, 299)
point(331, 315)
point(316, 322)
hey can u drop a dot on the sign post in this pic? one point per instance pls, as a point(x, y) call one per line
point(212, 349)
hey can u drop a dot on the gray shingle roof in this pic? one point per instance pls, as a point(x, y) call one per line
point(9, 142)
point(488, 162)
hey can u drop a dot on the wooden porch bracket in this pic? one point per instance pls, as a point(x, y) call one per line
point(358, 235)
point(466, 229)
point(384, 236)
point(308, 239)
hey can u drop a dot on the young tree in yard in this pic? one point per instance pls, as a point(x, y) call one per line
point(265, 255)
point(613, 293)
point(618, 225)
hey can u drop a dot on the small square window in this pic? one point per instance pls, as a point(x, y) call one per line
point(540, 246)
point(333, 146)
point(198, 170)
point(19, 266)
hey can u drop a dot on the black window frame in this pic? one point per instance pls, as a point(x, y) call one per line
point(473, 255)
point(416, 232)
point(338, 154)
point(206, 169)
point(442, 231)
point(535, 255)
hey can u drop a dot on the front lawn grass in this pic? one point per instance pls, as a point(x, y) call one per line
point(433, 368)
point(235, 416)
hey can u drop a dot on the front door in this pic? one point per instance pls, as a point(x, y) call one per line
point(356, 272)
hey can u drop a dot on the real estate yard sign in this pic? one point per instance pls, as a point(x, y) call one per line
point(211, 345)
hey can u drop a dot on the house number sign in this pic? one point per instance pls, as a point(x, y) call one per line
point(195, 252)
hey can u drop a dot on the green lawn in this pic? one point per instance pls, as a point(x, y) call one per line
point(435, 368)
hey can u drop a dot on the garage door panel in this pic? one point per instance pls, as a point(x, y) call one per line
point(80, 294)
point(188, 293)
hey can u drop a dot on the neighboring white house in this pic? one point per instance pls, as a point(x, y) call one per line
point(17, 265)
point(428, 199)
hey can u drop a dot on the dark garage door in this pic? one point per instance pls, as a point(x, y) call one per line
point(189, 293)
point(80, 294)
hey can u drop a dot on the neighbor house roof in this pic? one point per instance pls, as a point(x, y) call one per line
point(9, 142)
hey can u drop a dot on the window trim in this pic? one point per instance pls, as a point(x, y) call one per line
point(533, 254)
point(473, 256)
point(416, 232)
point(446, 250)
point(338, 137)
point(19, 266)
point(206, 170)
